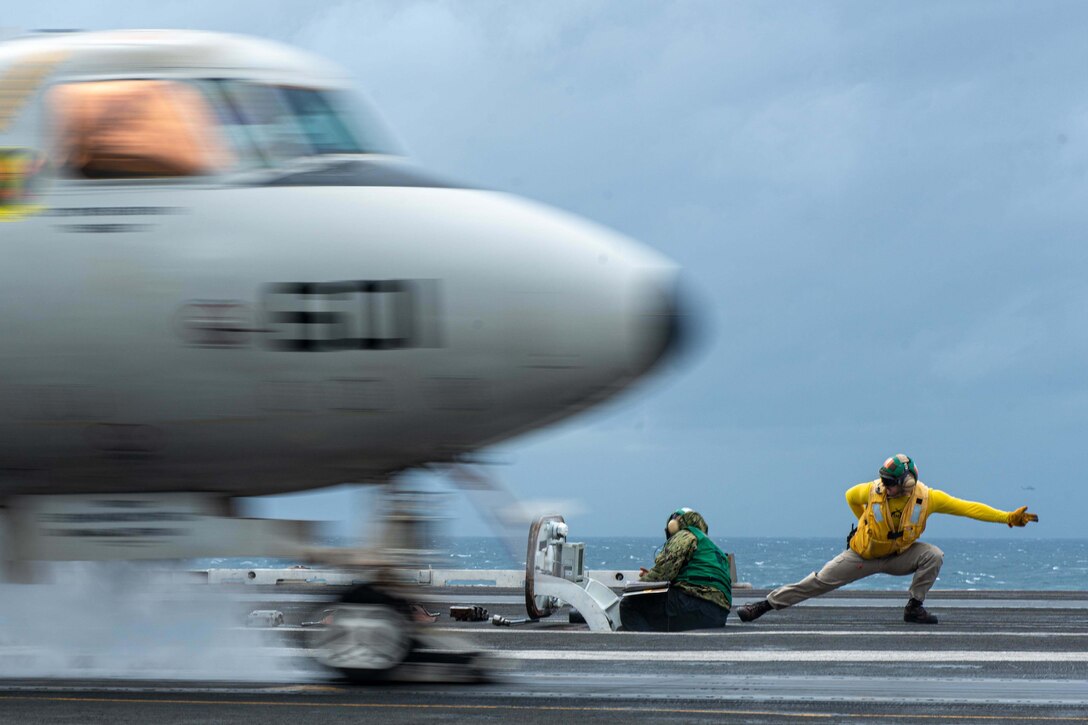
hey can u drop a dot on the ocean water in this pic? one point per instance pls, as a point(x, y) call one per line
point(991, 563)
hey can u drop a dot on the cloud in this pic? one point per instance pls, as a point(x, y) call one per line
point(884, 205)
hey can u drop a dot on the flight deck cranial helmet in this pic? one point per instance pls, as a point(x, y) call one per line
point(899, 472)
point(673, 524)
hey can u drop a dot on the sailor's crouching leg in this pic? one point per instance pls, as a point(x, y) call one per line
point(928, 561)
point(811, 586)
point(787, 596)
point(843, 569)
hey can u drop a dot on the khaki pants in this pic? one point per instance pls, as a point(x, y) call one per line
point(923, 560)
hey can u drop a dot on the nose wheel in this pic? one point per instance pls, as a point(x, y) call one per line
point(364, 642)
point(366, 637)
point(371, 636)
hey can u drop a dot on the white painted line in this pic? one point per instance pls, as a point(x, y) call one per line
point(731, 631)
point(936, 604)
point(735, 631)
point(833, 655)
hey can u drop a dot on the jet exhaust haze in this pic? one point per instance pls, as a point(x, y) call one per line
point(93, 620)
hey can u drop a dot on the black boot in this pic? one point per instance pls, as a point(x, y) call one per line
point(754, 611)
point(916, 613)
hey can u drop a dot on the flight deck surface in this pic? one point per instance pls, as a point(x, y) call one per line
point(845, 657)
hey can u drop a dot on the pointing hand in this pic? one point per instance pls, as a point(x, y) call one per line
point(1021, 517)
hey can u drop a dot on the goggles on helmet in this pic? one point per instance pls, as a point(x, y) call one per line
point(906, 481)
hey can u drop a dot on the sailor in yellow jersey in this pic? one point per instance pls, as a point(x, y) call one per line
point(892, 512)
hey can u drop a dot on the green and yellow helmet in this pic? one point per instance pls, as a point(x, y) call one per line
point(897, 470)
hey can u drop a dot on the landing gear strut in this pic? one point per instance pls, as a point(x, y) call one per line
point(375, 633)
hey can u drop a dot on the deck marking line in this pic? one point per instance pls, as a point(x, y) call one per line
point(545, 708)
point(830, 655)
point(741, 631)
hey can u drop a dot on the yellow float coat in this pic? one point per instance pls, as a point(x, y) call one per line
point(874, 544)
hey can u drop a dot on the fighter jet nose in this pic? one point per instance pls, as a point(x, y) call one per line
point(665, 328)
point(674, 323)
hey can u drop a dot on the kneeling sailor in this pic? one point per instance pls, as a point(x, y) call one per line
point(700, 591)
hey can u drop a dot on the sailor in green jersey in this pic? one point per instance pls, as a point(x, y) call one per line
point(700, 591)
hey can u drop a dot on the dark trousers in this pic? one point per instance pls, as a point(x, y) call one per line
point(672, 611)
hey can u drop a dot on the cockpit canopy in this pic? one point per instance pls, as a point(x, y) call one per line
point(141, 128)
point(167, 104)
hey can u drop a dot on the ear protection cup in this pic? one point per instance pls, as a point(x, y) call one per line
point(673, 525)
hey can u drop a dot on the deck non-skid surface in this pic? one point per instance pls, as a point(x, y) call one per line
point(848, 657)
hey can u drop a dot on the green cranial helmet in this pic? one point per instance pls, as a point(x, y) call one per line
point(898, 471)
point(674, 516)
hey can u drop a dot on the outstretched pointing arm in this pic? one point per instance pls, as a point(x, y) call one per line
point(1021, 517)
point(941, 503)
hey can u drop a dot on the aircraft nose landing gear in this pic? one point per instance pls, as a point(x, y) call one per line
point(371, 636)
point(366, 638)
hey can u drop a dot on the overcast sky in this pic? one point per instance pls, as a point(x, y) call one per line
point(880, 208)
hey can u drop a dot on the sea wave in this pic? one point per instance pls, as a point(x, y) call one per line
point(983, 564)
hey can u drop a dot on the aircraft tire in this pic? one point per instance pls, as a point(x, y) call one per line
point(369, 636)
